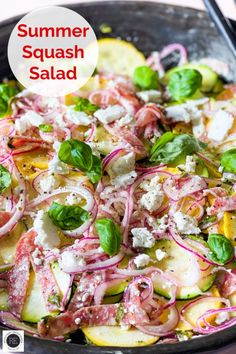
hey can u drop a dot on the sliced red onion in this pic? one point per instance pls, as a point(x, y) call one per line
point(100, 290)
point(111, 158)
point(169, 49)
point(165, 328)
point(19, 208)
point(188, 248)
point(192, 185)
point(108, 263)
point(9, 320)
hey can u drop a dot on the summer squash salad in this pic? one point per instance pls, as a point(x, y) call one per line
point(117, 203)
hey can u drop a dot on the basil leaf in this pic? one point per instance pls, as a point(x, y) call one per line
point(221, 248)
point(95, 172)
point(67, 217)
point(84, 105)
point(165, 138)
point(6, 93)
point(145, 77)
point(78, 154)
point(46, 128)
point(228, 161)
point(109, 235)
point(184, 83)
point(5, 179)
point(173, 149)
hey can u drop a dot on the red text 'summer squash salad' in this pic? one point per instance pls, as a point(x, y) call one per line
point(117, 202)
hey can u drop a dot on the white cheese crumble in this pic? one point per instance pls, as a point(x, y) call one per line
point(122, 172)
point(70, 260)
point(47, 232)
point(128, 119)
point(152, 200)
point(160, 254)
point(79, 118)
point(186, 112)
point(141, 260)
point(73, 199)
point(190, 164)
point(57, 166)
point(142, 237)
point(94, 148)
point(150, 96)
point(220, 125)
point(28, 120)
point(221, 318)
point(37, 257)
point(148, 185)
point(124, 180)
point(186, 224)
point(110, 114)
point(77, 321)
point(122, 165)
point(47, 184)
point(159, 225)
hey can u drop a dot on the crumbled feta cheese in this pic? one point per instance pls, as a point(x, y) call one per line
point(186, 224)
point(150, 96)
point(186, 112)
point(222, 317)
point(28, 120)
point(152, 200)
point(70, 260)
point(94, 148)
point(159, 225)
point(198, 127)
point(128, 119)
point(73, 199)
point(47, 232)
point(148, 185)
point(57, 166)
point(124, 180)
point(79, 118)
point(47, 184)
point(122, 165)
point(142, 237)
point(110, 114)
point(220, 125)
point(190, 164)
point(160, 254)
point(141, 260)
point(77, 321)
point(36, 257)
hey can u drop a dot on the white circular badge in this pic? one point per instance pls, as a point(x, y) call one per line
point(53, 51)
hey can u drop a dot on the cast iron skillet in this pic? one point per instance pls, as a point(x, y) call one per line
point(150, 26)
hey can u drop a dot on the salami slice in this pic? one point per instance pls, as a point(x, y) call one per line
point(19, 274)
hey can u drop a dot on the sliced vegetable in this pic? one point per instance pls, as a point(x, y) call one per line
point(180, 265)
point(67, 217)
point(118, 57)
point(115, 336)
point(109, 235)
point(209, 77)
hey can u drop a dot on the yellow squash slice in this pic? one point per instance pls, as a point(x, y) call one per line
point(117, 337)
